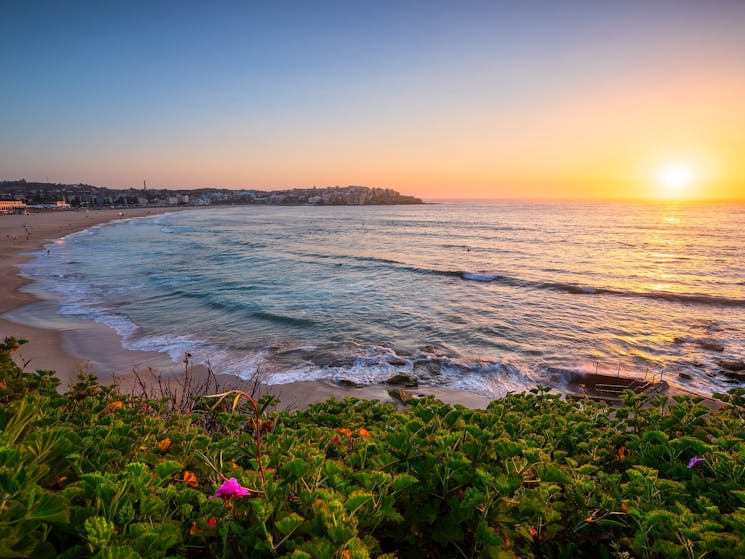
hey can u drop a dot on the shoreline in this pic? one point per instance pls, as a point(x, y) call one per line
point(70, 346)
point(26, 312)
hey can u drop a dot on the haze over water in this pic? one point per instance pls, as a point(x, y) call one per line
point(476, 296)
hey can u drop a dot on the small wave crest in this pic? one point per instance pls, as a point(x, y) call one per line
point(284, 319)
point(695, 298)
point(577, 289)
point(478, 276)
point(567, 287)
point(174, 229)
point(573, 288)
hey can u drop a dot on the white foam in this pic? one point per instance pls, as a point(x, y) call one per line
point(174, 346)
point(371, 365)
point(479, 276)
point(120, 324)
point(299, 373)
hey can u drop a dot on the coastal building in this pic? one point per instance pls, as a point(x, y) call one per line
point(12, 206)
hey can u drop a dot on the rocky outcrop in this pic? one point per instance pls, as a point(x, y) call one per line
point(402, 396)
point(402, 379)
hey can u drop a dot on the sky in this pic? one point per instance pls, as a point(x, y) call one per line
point(500, 99)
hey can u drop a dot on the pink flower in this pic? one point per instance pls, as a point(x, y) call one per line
point(230, 489)
point(696, 461)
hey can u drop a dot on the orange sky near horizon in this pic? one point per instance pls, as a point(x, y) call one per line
point(609, 141)
point(541, 100)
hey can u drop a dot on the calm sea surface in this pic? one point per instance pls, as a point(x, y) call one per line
point(482, 297)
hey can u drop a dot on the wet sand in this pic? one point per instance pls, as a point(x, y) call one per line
point(21, 308)
point(69, 346)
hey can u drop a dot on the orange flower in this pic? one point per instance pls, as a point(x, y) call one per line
point(344, 431)
point(164, 445)
point(190, 479)
point(346, 555)
point(533, 531)
point(113, 406)
point(364, 433)
point(622, 454)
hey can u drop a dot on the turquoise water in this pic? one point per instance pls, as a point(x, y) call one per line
point(483, 297)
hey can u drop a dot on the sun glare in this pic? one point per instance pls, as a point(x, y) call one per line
point(676, 180)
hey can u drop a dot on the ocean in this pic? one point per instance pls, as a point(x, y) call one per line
point(484, 297)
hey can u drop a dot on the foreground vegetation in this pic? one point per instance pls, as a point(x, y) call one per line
point(96, 473)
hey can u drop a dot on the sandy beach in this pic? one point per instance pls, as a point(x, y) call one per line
point(24, 313)
point(69, 346)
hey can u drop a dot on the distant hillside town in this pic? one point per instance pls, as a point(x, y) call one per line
point(21, 195)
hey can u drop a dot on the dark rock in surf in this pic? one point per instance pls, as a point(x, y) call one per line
point(734, 376)
point(685, 376)
point(332, 359)
point(397, 362)
point(347, 382)
point(710, 345)
point(403, 379)
point(732, 364)
point(430, 367)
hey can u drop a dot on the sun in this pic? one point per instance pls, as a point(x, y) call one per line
point(676, 180)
